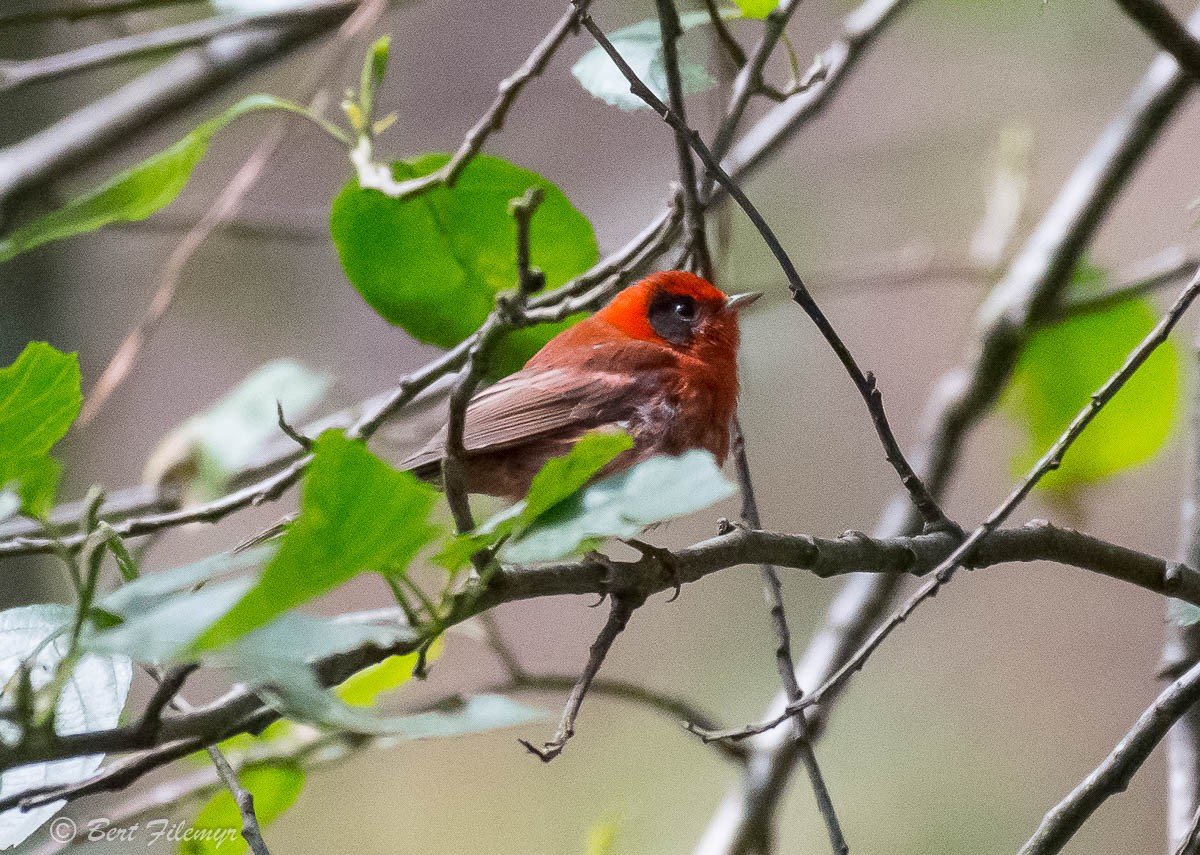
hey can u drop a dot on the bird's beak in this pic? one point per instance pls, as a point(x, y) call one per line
point(737, 302)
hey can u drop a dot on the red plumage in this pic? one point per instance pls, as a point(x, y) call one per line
point(660, 361)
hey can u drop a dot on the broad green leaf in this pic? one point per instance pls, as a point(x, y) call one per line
point(217, 827)
point(357, 514)
point(92, 699)
point(39, 399)
point(657, 489)
point(137, 192)
point(208, 449)
point(641, 46)
point(154, 590)
point(1064, 364)
point(434, 263)
point(756, 8)
point(558, 479)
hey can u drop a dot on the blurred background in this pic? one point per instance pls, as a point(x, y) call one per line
point(976, 717)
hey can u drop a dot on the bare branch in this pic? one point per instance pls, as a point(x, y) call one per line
point(1170, 34)
point(49, 10)
point(1113, 775)
point(243, 798)
point(14, 75)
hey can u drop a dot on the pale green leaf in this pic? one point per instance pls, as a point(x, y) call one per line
point(217, 827)
point(1064, 364)
point(204, 452)
point(657, 489)
point(640, 45)
point(756, 8)
point(92, 699)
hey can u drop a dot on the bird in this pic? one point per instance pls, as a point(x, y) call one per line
point(659, 362)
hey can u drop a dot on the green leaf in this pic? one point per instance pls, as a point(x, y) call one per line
point(641, 46)
point(756, 8)
point(92, 699)
point(275, 788)
point(137, 192)
point(434, 263)
point(204, 452)
point(39, 399)
point(364, 688)
point(1064, 364)
point(356, 514)
point(657, 489)
point(558, 479)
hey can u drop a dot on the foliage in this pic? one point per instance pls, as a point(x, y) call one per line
point(641, 46)
point(140, 190)
point(275, 787)
point(356, 514)
point(434, 263)
point(39, 399)
point(92, 699)
point(1065, 363)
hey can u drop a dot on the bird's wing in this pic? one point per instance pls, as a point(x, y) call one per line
point(536, 403)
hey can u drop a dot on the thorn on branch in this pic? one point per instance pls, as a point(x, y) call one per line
point(291, 432)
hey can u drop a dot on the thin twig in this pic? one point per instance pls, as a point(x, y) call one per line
point(773, 591)
point(493, 120)
point(77, 9)
point(14, 75)
point(507, 314)
point(865, 383)
point(731, 45)
point(693, 213)
point(243, 798)
point(1113, 775)
point(621, 609)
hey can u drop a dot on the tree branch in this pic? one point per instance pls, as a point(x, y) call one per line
point(1113, 775)
point(243, 798)
point(1167, 31)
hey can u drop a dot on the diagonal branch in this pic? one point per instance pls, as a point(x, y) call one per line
point(244, 799)
point(1113, 775)
point(1167, 30)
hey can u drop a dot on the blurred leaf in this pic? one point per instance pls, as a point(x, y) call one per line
point(92, 699)
point(1183, 614)
point(434, 263)
point(756, 8)
point(258, 7)
point(156, 589)
point(137, 192)
point(602, 837)
point(1064, 364)
point(39, 399)
point(558, 479)
point(641, 46)
point(657, 489)
point(364, 688)
point(208, 449)
point(356, 514)
point(275, 788)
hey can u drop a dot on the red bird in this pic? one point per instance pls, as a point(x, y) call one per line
point(660, 362)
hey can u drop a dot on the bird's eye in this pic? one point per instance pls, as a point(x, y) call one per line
point(685, 308)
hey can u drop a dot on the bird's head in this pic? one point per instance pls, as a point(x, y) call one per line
point(682, 311)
